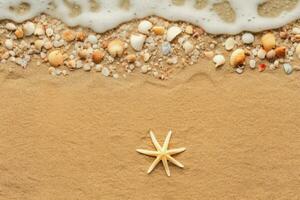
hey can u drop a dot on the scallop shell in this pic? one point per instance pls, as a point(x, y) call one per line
point(219, 60)
point(10, 27)
point(144, 26)
point(237, 57)
point(248, 38)
point(173, 32)
point(56, 58)
point(137, 41)
point(115, 48)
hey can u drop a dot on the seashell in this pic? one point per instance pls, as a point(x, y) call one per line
point(137, 41)
point(38, 44)
point(252, 64)
point(19, 33)
point(288, 68)
point(39, 31)
point(239, 70)
point(298, 51)
point(82, 54)
point(219, 60)
point(145, 26)
point(158, 30)
point(237, 57)
point(173, 32)
point(29, 28)
point(56, 58)
point(188, 47)
point(146, 57)
point(92, 39)
point(248, 38)
point(98, 56)
point(280, 52)
point(229, 43)
point(131, 58)
point(9, 44)
point(49, 32)
point(115, 48)
point(80, 36)
point(271, 54)
point(261, 54)
point(10, 26)
point(296, 30)
point(189, 29)
point(166, 48)
point(105, 71)
point(268, 41)
point(144, 69)
point(68, 35)
point(262, 67)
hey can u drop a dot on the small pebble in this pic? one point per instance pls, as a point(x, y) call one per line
point(105, 71)
point(288, 69)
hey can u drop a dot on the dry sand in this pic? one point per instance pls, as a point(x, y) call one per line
point(75, 138)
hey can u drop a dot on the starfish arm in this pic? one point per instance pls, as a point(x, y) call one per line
point(166, 166)
point(174, 161)
point(153, 165)
point(176, 151)
point(154, 141)
point(167, 141)
point(148, 152)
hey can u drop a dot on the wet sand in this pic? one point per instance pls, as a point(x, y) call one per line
point(75, 137)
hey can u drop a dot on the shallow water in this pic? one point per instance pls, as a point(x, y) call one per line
point(102, 15)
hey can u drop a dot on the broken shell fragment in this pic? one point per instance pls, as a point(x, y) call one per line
point(158, 30)
point(173, 32)
point(9, 44)
point(219, 60)
point(288, 69)
point(237, 57)
point(280, 52)
point(56, 58)
point(144, 26)
point(137, 41)
point(19, 33)
point(10, 26)
point(261, 54)
point(188, 47)
point(68, 35)
point(298, 51)
point(268, 41)
point(115, 48)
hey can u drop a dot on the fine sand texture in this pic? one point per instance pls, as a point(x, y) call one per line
point(75, 137)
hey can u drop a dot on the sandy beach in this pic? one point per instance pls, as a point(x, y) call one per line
point(75, 138)
point(70, 132)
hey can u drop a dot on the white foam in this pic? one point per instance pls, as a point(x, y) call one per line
point(111, 14)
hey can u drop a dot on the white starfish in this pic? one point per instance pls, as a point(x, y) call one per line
point(162, 153)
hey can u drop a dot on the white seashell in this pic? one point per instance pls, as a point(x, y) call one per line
point(49, 32)
point(29, 28)
point(144, 26)
point(173, 32)
point(10, 27)
point(188, 47)
point(298, 51)
point(39, 31)
point(296, 30)
point(137, 41)
point(288, 68)
point(9, 44)
point(252, 64)
point(144, 69)
point(219, 60)
point(105, 71)
point(229, 44)
point(166, 48)
point(248, 38)
point(261, 54)
point(239, 70)
point(92, 39)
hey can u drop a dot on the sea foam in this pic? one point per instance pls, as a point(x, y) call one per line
point(111, 14)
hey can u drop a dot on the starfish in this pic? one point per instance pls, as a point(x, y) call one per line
point(162, 153)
